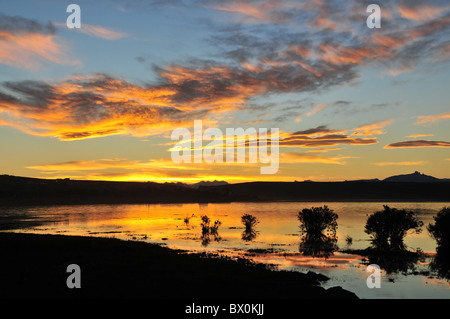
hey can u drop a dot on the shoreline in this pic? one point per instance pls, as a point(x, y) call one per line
point(34, 266)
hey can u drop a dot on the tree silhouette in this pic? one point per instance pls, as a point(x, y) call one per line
point(249, 222)
point(313, 223)
point(440, 231)
point(389, 226)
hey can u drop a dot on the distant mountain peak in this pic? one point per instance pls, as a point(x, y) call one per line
point(203, 183)
point(414, 177)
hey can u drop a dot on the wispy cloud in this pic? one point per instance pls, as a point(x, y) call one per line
point(324, 150)
point(321, 137)
point(418, 143)
point(374, 128)
point(399, 163)
point(308, 158)
point(97, 31)
point(420, 12)
point(26, 43)
point(425, 119)
point(419, 135)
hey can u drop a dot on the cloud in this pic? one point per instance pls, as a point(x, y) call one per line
point(399, 163)
point(99, 105)
point(425, 119)
point(324, 150)
point(317, 108)
point(421, 12)
point(253, 62)
point(308, 158)
point(262, 12)
point(17, 24)
point(90, 106)
point(321, 137)
point(158, 170)
point(123, 169)
point(26, 43)
point(372, 128)
point(87, 165)
point(420, 135)
point(418, 143)
point(97, 31)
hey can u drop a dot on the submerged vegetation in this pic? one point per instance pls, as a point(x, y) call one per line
point(313, 223)
point(389, 227)
point(249, 222)
point(440, 231)
point(208, 230)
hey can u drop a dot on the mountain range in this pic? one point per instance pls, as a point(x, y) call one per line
point(16, 190)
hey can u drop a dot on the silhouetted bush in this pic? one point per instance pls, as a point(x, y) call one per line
point(440, 231)
point(316, 220)
point(348, 240)
point(249, 222)
point(389, 226)
point(207, 230)
point(205, 224)
point(187, 219)
point(213, 229)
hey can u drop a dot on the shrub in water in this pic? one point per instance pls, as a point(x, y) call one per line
point(389, 226)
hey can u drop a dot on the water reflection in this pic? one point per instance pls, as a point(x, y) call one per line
point(404, 262)
point(318, 246)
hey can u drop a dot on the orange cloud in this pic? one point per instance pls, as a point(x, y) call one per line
point(419, 135)
point(420, 13)
point(432, 118)
point(317, 108)
point(261, 12)
point(29, 50)
point(94, 106)
point(308, 158)
point(372, 128)
point(324, 150)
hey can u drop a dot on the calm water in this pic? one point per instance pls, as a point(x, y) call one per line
point(275, 240)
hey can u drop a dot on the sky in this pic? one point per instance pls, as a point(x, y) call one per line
point(102, 101)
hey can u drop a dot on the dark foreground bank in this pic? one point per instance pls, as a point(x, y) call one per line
point(35, 266)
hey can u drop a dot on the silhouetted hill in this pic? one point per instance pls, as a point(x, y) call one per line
point(416, 177)
point(33, 191)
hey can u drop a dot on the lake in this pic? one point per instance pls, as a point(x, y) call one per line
point(275, 239)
